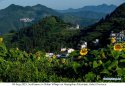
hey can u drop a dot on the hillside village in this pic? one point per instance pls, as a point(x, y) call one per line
point(66, 51)
point(117, 37)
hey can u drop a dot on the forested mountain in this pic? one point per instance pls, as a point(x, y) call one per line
point(10, 17)
point(83, 18)
point(49, 34)
point(87, 15)
point(15, 17)
point(104, 8)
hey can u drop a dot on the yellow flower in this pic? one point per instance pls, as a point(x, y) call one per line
point(1, 39)
point(50, 59)
point(113, 40)
point(118, 47)
point(83, 51)
point(54, 57)
point(63, 61)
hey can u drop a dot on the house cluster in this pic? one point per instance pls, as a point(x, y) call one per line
point(119, 37)
point(66, 51)
point(26, 20)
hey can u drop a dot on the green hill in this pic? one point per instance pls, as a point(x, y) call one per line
point(49, 34)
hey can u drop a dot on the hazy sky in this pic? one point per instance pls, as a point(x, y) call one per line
point(59, 4)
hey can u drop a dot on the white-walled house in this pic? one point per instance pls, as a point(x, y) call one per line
point(58, 56)
point(84, 45)
point(70, 50)
point(77, 26)
point(66, 52)
point(63, 49)
point(96, 41)
point(49, 54)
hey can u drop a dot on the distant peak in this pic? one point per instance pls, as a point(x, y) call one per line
point(13, 6)
point(38, 5)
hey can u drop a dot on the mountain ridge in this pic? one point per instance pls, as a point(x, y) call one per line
point(104, 8)
point(10, 16)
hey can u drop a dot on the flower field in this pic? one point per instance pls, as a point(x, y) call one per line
point(80, 66)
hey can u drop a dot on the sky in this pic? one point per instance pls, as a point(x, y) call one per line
point(59, 4)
